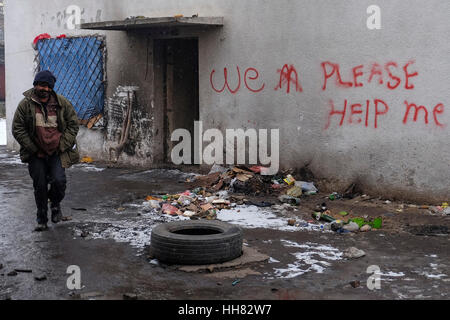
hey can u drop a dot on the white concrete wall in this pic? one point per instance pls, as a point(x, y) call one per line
point(407, 160)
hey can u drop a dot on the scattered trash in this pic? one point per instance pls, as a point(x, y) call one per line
point(334, 196)
point(235, 282)
point(289, 179)
point(307, 187)
point(66, 218)
point(12, 273)
point(289, 199)
point(355, 283)
point(169, 209)
point(353, 253)
point(189, 214)
point(365, 228)
point(343, 213)
point(376, 223)
point(291, 222)
point(294, 192)
point(320, 216)
point(336, 224)
point(351, 226)
point(259, 169)
point(217, 168)
point(86, 160)
point(79, 209)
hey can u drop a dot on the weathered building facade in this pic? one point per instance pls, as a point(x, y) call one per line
point(358, 94)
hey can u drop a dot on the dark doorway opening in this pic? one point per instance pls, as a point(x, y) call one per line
point(176, 89)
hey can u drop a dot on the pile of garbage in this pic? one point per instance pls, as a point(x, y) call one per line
point(343, 223)
point(218, 190)
point(195, 204)
point(443, 209)
point(252, 181)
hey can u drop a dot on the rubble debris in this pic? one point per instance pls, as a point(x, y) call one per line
point(289, 199)
point(353, 253)
point(351, 226)
point(217, 168)
point(294, 192)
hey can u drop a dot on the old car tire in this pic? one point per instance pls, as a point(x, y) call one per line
point(196, 242)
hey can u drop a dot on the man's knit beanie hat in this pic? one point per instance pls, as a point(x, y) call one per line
point(45, 76)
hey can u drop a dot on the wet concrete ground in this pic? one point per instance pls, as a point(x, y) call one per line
point(108, 241)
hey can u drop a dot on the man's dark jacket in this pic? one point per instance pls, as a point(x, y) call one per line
point(24, 129)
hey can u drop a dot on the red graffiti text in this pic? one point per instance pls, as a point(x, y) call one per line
point(387, 74)
point(288, 74)
point(250, 74)
point(356, 113)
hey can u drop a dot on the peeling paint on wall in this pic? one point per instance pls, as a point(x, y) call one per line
point(138, 144)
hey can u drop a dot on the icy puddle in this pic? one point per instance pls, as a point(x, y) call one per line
point(312, 257)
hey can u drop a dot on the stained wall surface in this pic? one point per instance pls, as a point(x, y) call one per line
point(293, 66)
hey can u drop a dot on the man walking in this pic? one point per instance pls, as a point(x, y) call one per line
point(46, 125)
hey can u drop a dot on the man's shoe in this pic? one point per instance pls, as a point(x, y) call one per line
point(41, 227)
point(56, 213)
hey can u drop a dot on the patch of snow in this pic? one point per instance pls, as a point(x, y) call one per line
point(392, 274)
point(88, 167)
point(256, 217)
point(316, 258)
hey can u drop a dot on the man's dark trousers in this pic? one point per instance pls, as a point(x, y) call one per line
point(46, 171)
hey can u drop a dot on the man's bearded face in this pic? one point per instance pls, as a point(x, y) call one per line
point(42, 90)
